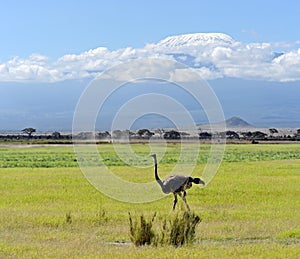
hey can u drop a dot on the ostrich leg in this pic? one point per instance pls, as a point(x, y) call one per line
point(175, 200)
point(184, 199)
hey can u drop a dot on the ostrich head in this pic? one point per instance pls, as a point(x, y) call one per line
point(198, 181)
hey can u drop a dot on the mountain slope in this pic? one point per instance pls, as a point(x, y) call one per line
point(237, 122)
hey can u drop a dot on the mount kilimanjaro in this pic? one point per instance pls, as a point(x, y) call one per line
point(196, 39)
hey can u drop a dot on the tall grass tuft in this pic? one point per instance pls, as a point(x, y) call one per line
point(68, 218)
point(177, 231)
point(100, 218)
point(141, 233)
point(180, 229)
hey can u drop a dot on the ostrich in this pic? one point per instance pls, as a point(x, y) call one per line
point(177, 184)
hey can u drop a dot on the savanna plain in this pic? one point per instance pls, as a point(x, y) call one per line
point(250, 209)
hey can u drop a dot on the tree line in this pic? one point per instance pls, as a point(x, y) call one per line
point(31, 133)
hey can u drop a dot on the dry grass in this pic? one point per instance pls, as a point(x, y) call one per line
point(180, 229)
point(141, 232)
point(177, 230)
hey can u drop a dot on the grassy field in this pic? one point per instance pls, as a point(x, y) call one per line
point(250, 210)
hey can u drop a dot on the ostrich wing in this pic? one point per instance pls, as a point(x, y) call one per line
point(174, 182)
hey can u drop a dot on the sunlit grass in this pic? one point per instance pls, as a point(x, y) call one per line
point(250, 208)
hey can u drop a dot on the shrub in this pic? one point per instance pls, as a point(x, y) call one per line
point(180, 229)
point(177, 231)
point(141, 234)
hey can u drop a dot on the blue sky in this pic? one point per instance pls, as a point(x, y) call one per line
point(50, 50)
point(54, 28)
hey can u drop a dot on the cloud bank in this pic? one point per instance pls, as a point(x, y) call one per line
point(213, 55)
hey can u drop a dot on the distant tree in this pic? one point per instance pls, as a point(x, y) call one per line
point(184, 134)
point(247, 135)
point(173, 134)
point(55, 135)
point(29, 131)
point(254, 135)
point(104, 135)
point(297, 135)
point(119, 134)
point(232, 134)
point(145, 133)
point(273, 131)
point(259, 135)
point(204, 135)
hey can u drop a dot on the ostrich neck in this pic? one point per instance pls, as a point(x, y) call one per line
point(155, 172)
point(161, 184)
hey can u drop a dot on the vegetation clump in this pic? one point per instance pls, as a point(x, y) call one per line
point(68, 218)
point(177, 231)
point(180, 230)
point(141, 233)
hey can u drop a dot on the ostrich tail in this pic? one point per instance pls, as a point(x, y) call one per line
point(198, 181)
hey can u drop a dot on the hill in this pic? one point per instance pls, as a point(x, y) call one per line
point(237, 122)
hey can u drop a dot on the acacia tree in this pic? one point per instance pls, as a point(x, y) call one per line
point(29, 131)
point(273, 131)
point(173, 134)
point(145, 133)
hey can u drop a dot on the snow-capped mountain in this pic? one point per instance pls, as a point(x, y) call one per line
point(217, 55)
point(270, 99)
point(197, 50)
point(213, 55)
point(196, 39)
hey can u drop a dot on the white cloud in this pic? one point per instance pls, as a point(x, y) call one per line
point(212, 55)
point(141, 69)
point(287, 66)
point(208, 74)
point(35, 68)
point(221, 54)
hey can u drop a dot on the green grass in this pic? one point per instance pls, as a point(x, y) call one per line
point(65, 156)
point(250, 209)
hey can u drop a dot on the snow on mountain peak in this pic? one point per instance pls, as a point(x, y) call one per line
point(195, 39)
